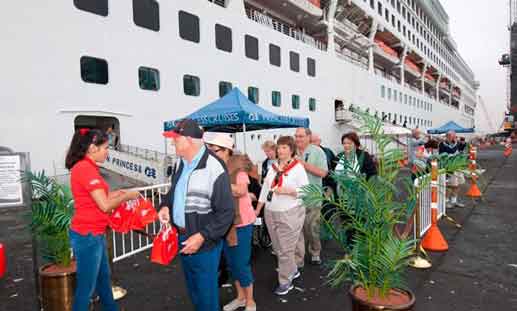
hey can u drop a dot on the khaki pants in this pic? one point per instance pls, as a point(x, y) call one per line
point(311, 232)
point(285, 229)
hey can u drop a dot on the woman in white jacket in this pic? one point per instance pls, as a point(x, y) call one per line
point(284, 213)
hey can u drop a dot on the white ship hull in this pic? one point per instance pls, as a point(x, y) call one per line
point(42, 92)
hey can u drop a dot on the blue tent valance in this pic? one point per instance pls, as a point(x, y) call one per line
point(450, 126)
point(236, 113)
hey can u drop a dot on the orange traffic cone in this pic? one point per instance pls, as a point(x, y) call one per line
point(473, 191)
point(433, 239)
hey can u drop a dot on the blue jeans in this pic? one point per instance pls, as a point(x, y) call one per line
point(239, 257)
point(93, 271)
point(200, 271)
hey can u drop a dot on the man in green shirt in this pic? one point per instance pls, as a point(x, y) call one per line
point(314, 161)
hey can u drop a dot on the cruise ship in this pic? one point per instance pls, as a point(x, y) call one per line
point(135, 64)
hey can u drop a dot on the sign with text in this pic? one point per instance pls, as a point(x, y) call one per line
point(11, 190)
point(148, 171)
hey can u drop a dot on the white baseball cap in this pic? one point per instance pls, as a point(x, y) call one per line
point(219, 139)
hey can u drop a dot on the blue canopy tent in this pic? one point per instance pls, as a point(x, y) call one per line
point(234, 112)
point(450, 126)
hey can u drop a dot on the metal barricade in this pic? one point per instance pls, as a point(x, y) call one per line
point(424, 197)
point(128, 244)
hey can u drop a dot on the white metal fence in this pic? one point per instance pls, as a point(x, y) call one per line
point(131, 243)
point(424, 197)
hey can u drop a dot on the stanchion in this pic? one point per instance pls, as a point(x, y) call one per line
point(3, 263)
point(418, 261)
point(433, 239)
point(473, 191)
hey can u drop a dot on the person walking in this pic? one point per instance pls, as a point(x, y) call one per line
point(314, 161)
point(237, 246)
point(93, 202)
point(269, 149)
point(284, 211)
point(200, 205)
point(450, 146)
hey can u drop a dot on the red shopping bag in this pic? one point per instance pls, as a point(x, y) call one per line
point(122, 217)
point(165, 246)
point(144, 214)
point(507, 152)
point(132, 215)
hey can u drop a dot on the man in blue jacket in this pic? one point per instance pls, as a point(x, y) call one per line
point(201, 205)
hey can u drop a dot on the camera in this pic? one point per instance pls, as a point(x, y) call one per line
point(269, 196)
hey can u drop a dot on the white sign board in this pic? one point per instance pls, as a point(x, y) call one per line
point(11, 191)
point(148, 171)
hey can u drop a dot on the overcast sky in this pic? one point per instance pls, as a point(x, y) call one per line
point(479, 28)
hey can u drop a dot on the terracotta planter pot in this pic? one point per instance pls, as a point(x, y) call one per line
point(362, 304)
point(57, 287)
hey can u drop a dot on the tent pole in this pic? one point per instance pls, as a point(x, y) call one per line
point(244, 136)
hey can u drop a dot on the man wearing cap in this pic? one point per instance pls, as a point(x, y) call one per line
point(202, 207)
point(450, 147)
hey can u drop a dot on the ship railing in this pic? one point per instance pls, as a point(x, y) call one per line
point(219, 2)
point(352, 57)
point(343, 115)
point(279, 26)
point(142, 153)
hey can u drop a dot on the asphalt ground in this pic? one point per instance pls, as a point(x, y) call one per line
point(478, 272)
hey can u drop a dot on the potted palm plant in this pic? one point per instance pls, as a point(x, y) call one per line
point(51, 213)
point(370, 209)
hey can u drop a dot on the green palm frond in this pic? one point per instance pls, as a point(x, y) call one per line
point(51, 214)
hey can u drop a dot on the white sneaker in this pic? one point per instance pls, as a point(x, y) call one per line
point(234, 305)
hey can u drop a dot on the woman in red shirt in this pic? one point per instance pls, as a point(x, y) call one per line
point(93, 203)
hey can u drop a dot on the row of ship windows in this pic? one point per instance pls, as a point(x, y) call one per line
point(95, 70)
point(415, 40)
point(398, 96)
point(144, 15)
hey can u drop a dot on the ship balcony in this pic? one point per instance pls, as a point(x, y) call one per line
point(293, 9)
point(344, 116)
point(456, 94)
point(282, 27)
point(349, 33)
point(444, 89)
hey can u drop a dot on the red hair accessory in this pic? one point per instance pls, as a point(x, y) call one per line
point(84, 131)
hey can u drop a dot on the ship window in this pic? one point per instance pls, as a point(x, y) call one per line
point(99, 7)
point(395, 95)
point(188, 26)
point(295, 101)
point(405, 99)
point(224, 88)
point(191, 85)
point(294, 60)
point(312, 104)
point(251, 47)
point(253, 94)
point(274, 55)
point(149, 78)
point(146, 13)
point(311, 67)
point(389, 93)
point(276, 98)
point(223, 38)
point(94, 70)
point(372, 4)
point(383, 91)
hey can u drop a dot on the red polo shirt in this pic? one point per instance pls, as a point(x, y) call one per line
point(88, 217)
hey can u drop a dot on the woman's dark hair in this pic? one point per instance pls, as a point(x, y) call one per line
point(353, 137)
point(80, 143)
point(287, 141)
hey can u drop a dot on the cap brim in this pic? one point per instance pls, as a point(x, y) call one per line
point(170, 134)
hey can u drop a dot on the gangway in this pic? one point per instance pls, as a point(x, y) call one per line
point(149, 167)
